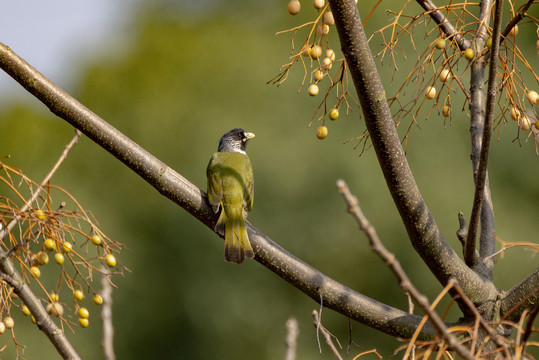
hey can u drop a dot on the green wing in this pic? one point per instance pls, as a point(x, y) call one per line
point(215, 182)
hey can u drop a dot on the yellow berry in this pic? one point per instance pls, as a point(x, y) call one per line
point(513, 31)
point(318, 4)
point(25, 310)
point(78, 295)
point(430, 92)
point(110, 260)
point(322, 132)
point(537, 125)
point(84, 313)
point(67, 247)
point(327, 64)
point(40, 214)
point(333, 114)
point(468, 54)
point(84, 323)
point(34, 270)
point(98, 299)
point(445, 75)
point(318, 75)
point(59, 258)
point(2, 327)
point(315, 52)
point(446, 110)
point(313, 90)
point(54, 296)
point(329, 20)
point(489, 43)
point(55, 309)
point(42, 258)
point(96, 240)
point(306, 51)
point(330, 54)
point(49, 244)
point(533, 97)
point(525, 123)
point(323, 29)
point(440, 44)
point(294, 7)
point(34, 319)
point(9, 322)
point(515, 113)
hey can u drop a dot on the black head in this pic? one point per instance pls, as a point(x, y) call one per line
point(235, 141)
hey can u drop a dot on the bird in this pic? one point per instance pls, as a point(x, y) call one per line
point(231, 191)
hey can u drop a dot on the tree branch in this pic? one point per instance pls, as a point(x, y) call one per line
point(524, 295)
point(481, 177)
point(404, 281)
point(447, 28)
point(420, 225)
point(487, 240)
point(172, 185)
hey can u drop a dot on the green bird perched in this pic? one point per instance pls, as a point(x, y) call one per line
point(231, 189)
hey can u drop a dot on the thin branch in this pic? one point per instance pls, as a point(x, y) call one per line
point(487, 238)
point(419, 222)
point(107, 341)
point(404, 281)
point(292, 333)
point(326, 334)
point(46, 179)
point(481, 178)
point(172, 185)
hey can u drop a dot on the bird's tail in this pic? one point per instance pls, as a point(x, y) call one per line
point(237, 244)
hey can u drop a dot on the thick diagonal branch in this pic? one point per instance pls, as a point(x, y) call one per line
point(172, 185)
point(420, 225)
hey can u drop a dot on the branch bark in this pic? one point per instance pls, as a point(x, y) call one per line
point(487, 240)
point(524, 295)
point(420, 225)
point(172, 185)
point(481, 174)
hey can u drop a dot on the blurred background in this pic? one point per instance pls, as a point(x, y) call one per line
point(174, 76)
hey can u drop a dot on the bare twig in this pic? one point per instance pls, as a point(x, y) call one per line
point(326, 334)
point(481, 178)
point(106, 316)
point(391, 261)
point(46, 179)
point(292, 332)
point(13, 278)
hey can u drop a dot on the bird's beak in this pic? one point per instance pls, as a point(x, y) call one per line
point(249, 135)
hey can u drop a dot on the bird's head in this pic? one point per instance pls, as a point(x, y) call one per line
point(235, 141)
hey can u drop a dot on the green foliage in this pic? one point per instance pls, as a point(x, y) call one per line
point(175, 89)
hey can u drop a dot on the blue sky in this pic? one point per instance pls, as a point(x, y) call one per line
point(55, 36)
